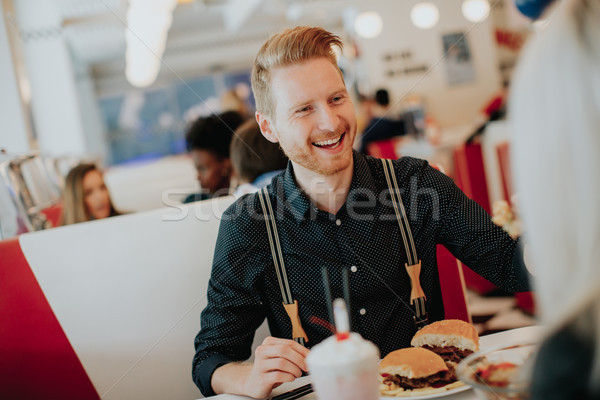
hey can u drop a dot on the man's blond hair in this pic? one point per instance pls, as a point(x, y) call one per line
point(291, 46)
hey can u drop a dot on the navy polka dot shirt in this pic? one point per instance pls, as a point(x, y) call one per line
point(363, 236)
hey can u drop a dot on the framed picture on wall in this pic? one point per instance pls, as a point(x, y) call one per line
point(457, 59)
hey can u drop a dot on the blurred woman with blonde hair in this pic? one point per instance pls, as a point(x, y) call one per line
point(85, 196)
point(555, 113)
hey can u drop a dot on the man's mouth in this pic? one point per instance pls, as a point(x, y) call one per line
point(331, 143)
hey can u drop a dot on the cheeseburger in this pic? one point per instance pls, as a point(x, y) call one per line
point(414, 372)
point(451, 339)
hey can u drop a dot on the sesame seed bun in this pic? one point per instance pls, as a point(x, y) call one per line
point(449, 332)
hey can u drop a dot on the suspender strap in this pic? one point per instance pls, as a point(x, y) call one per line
point(290, 305)
point(413, 267)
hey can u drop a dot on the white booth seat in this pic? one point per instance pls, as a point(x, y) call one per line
point(149, 185)
point(127, 292)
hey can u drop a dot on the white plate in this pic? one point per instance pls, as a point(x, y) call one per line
point(429, 396)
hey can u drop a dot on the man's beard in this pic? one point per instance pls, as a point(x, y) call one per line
point(311, 163)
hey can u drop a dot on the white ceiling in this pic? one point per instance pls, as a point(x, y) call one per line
point(199, 40)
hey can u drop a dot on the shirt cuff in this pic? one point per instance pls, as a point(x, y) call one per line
point(204, 372)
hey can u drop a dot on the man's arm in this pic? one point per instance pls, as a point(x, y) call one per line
point(234, 309)
point(276, 361)
point(467, 230)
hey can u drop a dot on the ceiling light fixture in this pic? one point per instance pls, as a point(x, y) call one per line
point(148, 23)
point(368, 25)
point(424, 15)
point(475, 10)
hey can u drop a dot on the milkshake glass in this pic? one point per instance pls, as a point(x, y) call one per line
point(344, 366)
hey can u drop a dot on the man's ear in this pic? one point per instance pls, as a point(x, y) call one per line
point(266, 127)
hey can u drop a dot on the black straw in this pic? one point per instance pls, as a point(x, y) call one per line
point(329, 299)
point(346, 283)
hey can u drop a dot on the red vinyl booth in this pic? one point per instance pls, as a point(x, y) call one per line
point(107, 309)
point(37, 359)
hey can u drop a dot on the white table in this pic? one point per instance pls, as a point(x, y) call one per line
point(513, 336)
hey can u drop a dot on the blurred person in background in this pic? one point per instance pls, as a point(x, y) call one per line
point(208, 141)
point(381, 126)
point(231, 101)
point(85, 196)
point(555, 108)
point(255, 160)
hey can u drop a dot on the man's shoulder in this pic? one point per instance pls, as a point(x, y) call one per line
point(248, 209)
point(403, 166)
point(246, 203)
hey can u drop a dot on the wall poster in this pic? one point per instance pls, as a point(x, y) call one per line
point(457, 58)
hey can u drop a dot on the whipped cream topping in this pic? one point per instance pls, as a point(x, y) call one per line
point(335, 357)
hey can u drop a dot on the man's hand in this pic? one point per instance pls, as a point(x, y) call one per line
point(275, 361)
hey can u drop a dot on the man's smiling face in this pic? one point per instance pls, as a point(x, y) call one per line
point(314, 119)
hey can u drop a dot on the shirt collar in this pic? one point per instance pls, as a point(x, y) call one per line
point(299, 204)
point(295, 199)
point(363, 180)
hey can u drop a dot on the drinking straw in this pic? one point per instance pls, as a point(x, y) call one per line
point(346, 285)
point(328, 297)
point(342, 325)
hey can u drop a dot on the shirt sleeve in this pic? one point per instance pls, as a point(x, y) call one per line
point(468, 232)
point(234, 309)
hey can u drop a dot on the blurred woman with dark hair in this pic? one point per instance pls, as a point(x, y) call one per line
point(86, 197)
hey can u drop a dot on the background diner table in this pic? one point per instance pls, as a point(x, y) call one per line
point(530, 334)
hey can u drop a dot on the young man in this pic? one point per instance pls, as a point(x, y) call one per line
point(332, 207)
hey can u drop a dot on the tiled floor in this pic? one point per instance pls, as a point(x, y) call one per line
point(496, 313)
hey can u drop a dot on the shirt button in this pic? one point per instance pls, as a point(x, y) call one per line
point(353, 268)
point(362, 311)
point(338, 222)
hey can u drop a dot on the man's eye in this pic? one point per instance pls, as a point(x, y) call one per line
point(303, 109)
point(337, 99)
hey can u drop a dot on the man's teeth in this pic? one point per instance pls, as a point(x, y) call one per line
point(328, 142)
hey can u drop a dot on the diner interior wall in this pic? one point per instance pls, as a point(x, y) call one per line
point(450, 105)
point(191, 52)
point(14, 130)
point(198, 44)
point(94, 129)
point(59, 106)
point(55, 105)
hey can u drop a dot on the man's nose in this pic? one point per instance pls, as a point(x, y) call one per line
point(328, 119)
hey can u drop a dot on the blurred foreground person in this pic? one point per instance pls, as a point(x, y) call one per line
point(85, 196)
point(208, 141)
point(555, 108)
point(255, 160)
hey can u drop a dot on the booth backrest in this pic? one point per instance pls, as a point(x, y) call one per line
point(107, 309)
point(148, 185)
